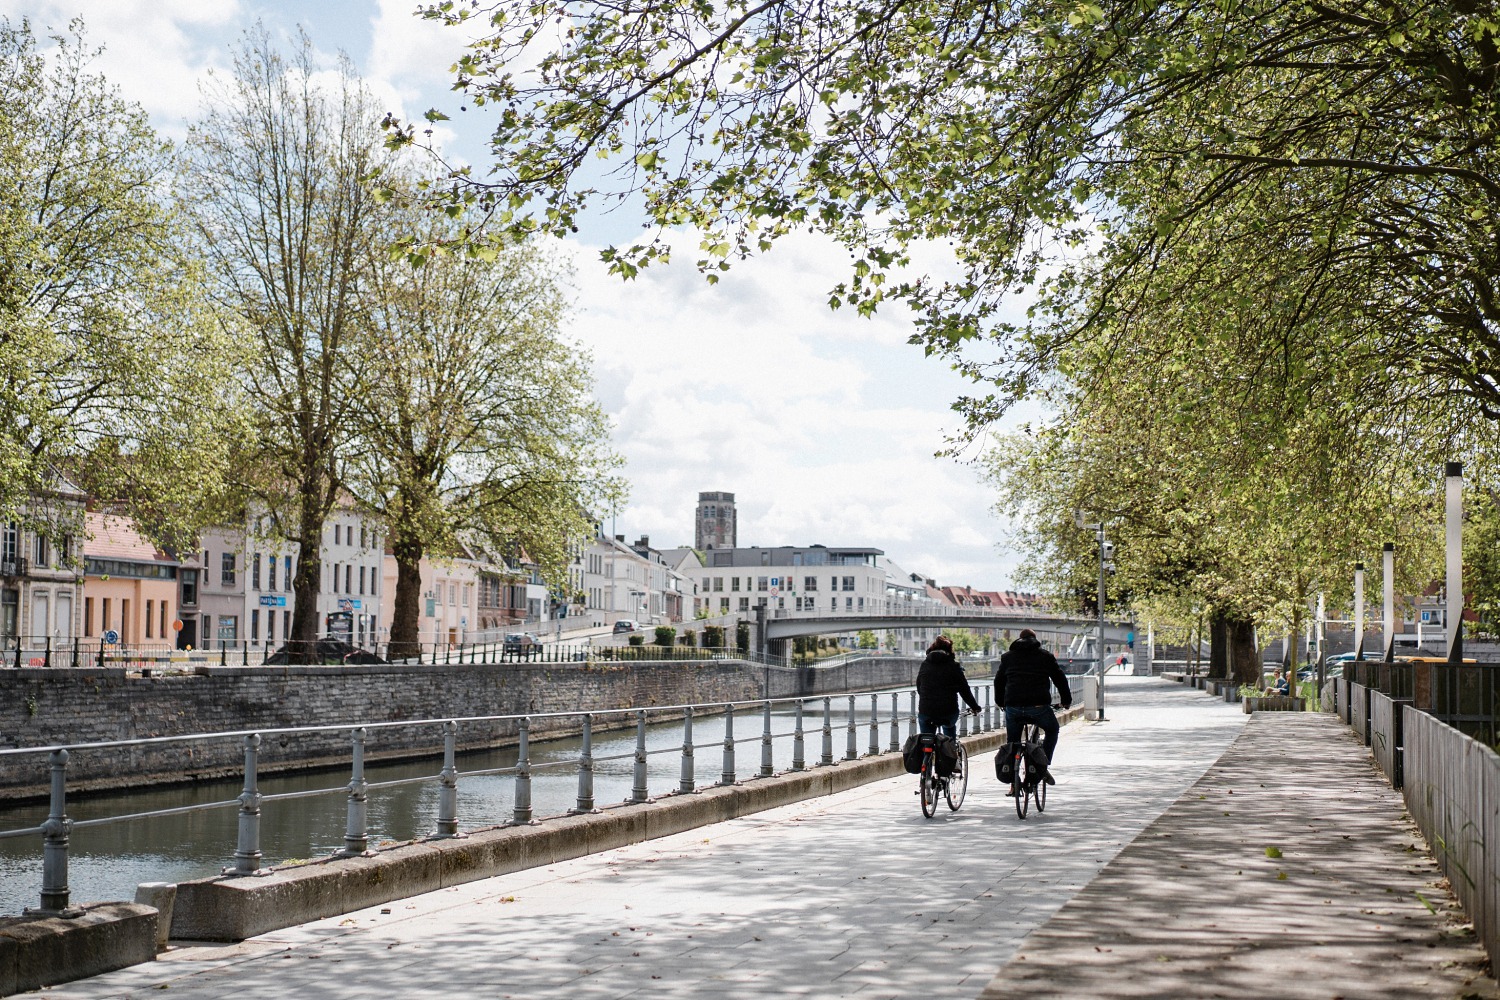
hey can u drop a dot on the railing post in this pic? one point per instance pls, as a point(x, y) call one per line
point(586, 766)
point(55, 834)
point(799, 760)
point(726, 776)
point(223, 654)
point(827, 756)
point(75, 654)
point(988, 711)
point(47, 655)
point(767, 760)
point(639, 792)
point(356, 829)
point(447, 817)
point(686, 782)
point(963, 720)
point(522, 812)
point(874, 724)
point(247, 852)
point(911, 714)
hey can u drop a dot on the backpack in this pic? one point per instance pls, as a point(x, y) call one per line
point(1005, 763)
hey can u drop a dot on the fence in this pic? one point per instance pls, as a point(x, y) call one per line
point(1431, 726)
point(877, 728)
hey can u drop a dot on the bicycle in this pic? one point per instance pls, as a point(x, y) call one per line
point(930, 784)
point(1027, 784)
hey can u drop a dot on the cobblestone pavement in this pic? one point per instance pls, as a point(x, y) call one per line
point(852, 895)
point(1289, 870)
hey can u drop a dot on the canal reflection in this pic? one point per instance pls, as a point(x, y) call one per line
point(108, 861)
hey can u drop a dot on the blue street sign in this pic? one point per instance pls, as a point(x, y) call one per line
point(111, 637)
point(273, 600)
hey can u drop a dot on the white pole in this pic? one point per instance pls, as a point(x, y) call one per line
point(1388, 599)
point(1454, 608)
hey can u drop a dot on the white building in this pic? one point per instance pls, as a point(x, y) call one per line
point(793, 581)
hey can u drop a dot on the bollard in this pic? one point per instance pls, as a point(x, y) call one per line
point(160, 896)
point(827, 757)
point(726, 776)
point(895, 722)
point(638, 793)
point(851, 741)
point(522, 813)
point(75, 654)
point(767, 763)
point(686, 783)
point(988, 716)
point(47, 654)
point(247, 852)
point(874, 724)
point(356, 831)
point(55, 833)
point(963, 720)
point(447, 817)
point(799, 762)
point(586, 767)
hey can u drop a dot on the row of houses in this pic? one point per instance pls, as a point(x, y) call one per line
point(234, 589)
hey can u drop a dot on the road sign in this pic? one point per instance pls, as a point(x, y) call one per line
point(345, 604)
point(111, 636)
point(273, 600)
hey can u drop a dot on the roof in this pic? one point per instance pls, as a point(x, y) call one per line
point(112, 537)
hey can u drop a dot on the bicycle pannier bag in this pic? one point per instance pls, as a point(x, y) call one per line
point(911, 753)
point(1005, 763)
point(947, 755)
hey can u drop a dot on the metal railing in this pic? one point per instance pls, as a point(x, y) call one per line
point(882, 721)
point(1465, 696)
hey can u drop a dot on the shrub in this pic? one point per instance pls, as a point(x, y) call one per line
point(687, 638)
point(666, 635)
point(636, 640)
point(713, 636)
point(742, 637)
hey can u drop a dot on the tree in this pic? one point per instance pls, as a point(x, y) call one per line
point(474, 416)
point(279, 190)
point(105, 347)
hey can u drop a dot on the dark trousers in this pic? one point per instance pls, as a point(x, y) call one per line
point(1042, 715)
point(947, 726)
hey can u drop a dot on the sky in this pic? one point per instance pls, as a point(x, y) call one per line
point(822, 423)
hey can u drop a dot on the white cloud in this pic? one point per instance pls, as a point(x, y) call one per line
point(155, 51)
point(823, 424)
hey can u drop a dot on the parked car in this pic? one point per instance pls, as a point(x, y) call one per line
point(626, 625)
point(520, 646)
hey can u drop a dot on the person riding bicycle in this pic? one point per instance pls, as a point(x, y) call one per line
point(940, 683)
point(1023, 684)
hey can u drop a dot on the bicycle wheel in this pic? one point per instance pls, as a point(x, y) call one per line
point(1019, 785)
point(929, 789)
point(1040, 794)
point(958, 781)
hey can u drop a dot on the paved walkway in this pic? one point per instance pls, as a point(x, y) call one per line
point(853, 895)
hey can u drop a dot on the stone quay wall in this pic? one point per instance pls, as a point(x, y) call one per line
point(42, 707)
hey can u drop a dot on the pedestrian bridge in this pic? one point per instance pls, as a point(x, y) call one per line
point(1058, 629)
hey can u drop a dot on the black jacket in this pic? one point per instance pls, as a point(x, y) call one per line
point(1025, 675)
point(940, 680)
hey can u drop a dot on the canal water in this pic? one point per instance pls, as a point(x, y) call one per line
point(107, 862)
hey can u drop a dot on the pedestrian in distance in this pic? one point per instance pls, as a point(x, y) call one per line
point(940, 683)
point(1023, 687)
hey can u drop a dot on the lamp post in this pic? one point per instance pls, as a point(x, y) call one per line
point(1453, 607)
point(1106, 550)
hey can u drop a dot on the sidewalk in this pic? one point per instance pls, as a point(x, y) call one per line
point(1203, 905)
point(856, 895)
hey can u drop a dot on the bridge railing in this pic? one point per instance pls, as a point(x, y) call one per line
point(871, 720)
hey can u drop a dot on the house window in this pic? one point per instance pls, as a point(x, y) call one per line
point(39, 552)
point(270, 572)
point(762, 583)
point(361, 536)
point(255, 572)
point(226, 570)
point(10, 542)
point(348, 576)
point(744, 604)
point(190, 587)
point(287, 565)
point(65, 550)
point(270, 627)
point(848, 604)
point(229, 628)
point(452, 594)
point(335, 534)
point(255, 625)
point(161, 609)
point(734, 583)
point(723, 605)
point(718, 583)
point(361, 579)
point(286, 624)
point(809, 584)
point(849, 583)
point(150, 608)
point(88, 617)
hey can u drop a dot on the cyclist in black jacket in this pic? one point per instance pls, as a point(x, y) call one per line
point(940, 683)
point(1023, 687)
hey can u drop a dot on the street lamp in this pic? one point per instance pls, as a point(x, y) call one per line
point(1106, 550)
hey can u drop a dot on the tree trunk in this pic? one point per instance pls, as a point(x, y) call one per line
point(1218, 645)
point(1244, 658)
point(306, 583)
point(406, 642)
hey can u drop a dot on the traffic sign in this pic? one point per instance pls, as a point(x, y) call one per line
point(111, 636)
